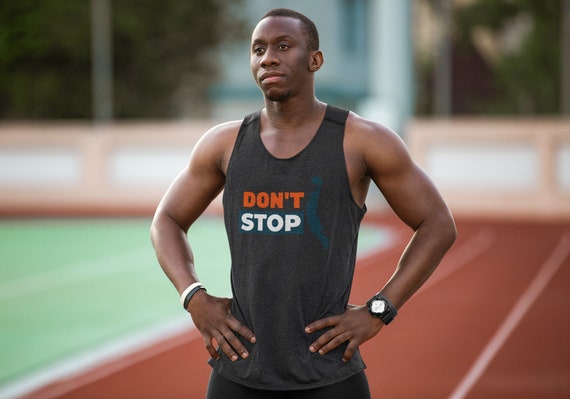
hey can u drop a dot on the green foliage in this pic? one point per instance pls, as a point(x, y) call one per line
point(44, 58)
point(529, 77)
point(162, 56)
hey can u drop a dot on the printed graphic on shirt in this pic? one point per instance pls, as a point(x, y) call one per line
point(283, 212)
point(312, 216)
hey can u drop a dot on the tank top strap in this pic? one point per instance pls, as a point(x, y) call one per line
point(336, 115)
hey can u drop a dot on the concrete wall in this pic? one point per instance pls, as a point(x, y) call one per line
point(497, 167)
point(76, 168)
point(484, 167)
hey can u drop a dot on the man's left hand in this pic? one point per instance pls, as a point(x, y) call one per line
point(356, 326)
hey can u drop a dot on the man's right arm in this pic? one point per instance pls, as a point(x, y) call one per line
point(186, 199)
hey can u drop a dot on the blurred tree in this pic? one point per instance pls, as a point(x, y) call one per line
point(44, 59)
point(523, 47)
point(163, 54)
point(163, 57)
point(505, 58)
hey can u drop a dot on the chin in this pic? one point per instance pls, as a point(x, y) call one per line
point(277, 95)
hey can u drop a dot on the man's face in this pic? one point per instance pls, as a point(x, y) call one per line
point(280, 60)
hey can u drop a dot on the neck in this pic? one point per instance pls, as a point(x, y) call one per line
point(283, 115)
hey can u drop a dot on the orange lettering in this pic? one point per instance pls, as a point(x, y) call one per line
point(263, 200)
point(276, 200)
point(271, 200)
point(248, 199)
point(297, 199)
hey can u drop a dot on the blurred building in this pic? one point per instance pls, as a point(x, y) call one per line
point(367, 51)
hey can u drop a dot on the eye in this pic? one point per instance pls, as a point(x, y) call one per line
point(258, 50)
point(283, 46)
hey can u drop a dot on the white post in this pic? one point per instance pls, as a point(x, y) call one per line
point(565, 61)
point(101, 61)
point(391, 96)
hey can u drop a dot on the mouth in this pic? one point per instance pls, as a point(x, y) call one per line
point(270, 77)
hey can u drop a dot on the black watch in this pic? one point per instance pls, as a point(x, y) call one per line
point(380, 307)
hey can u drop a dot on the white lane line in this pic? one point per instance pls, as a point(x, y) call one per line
point(462, 255)
point(97, 363)
point(531, 294)
point(82, 271)
point(387, 241)
point(384, 238)
point(458, 257)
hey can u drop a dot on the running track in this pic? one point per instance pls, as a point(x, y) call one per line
point(492, 322)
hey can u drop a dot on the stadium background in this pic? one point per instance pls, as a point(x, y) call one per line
point(95, 179)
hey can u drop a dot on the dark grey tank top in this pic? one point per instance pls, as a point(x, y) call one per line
point(292, 227)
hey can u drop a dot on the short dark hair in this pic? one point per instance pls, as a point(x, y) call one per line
point(309, 26)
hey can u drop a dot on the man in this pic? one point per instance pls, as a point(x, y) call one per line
point(295, 177)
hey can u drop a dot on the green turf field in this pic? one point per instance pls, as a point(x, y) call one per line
point(71, 284)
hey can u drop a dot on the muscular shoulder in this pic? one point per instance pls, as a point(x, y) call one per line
point(216, 145)
point(363, 131)
point(220, 136)
point(374, 145)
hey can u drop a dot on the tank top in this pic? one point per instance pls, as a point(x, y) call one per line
point(292, 227)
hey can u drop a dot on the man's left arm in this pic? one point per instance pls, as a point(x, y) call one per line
point(417, 202)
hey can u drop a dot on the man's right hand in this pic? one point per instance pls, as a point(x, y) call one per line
point(212, 317)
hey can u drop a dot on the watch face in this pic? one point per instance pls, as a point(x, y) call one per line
point(378, 306)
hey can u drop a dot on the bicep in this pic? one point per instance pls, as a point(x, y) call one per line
point(407, 188)
point(195, 187)
point(189, 195)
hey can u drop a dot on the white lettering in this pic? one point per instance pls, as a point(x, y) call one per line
point(260, 218)
point(247, 223)
point(271, 223)
point(275, 223)
point(292, 221)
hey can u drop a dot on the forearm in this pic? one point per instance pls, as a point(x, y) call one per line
point(424, 252)
point(173, 251)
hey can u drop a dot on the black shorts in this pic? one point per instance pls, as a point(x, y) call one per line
point(355, 387)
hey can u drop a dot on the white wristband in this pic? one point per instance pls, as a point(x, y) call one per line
point(187, 291)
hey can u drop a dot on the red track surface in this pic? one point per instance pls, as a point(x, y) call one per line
point(492, 322)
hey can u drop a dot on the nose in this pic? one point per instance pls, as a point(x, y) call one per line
point(269, 57)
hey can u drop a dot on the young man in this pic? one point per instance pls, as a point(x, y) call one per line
point(295, 177)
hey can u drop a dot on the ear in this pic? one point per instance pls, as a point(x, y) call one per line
point(317, 61)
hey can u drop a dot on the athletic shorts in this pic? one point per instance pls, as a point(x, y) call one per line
point(355, 387)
